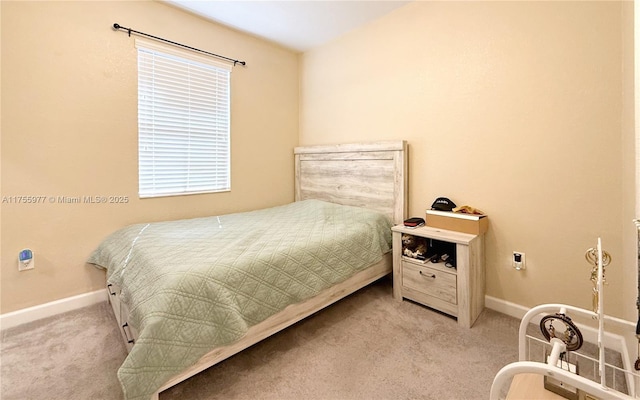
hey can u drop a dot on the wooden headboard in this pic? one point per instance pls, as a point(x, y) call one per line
point(371, 175)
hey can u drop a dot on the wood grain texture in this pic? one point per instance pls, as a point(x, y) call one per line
point(463, 264)
point(370, 175)
point(396, 239)
point(477, 278)
point(530, 387)
point(430, 281)
point(469, 275)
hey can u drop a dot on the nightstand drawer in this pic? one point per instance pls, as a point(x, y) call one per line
point(432, 282)
point(458, 291)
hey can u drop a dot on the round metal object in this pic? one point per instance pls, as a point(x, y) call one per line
point(564, 329)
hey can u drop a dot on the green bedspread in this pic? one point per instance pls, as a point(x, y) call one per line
point(193, 285)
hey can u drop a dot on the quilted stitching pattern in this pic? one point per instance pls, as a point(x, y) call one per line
point(193, 285)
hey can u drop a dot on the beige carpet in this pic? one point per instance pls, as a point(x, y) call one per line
point(367, 346)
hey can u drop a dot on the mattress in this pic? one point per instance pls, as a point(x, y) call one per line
point(193, 285)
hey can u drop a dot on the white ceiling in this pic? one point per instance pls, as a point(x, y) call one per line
point(298, 25)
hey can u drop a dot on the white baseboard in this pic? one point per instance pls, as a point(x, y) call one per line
point(589, 334)
point(505, 307)
point(15, 318)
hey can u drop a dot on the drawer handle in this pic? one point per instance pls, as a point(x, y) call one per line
point(126, 325)
point(109, 290)
point(431, 276)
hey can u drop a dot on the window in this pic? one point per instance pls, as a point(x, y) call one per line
point(183, 122)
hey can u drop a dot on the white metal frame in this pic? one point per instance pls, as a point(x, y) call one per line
point(551, 368)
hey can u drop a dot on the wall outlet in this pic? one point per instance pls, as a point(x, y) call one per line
point(518, 261)
point(26, 260)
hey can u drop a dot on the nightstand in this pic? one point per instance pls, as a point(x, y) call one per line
point(455, 291)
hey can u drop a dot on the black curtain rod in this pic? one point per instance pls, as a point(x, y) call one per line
point(117, 27)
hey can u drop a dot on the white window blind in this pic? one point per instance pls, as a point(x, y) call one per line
point(183, 122)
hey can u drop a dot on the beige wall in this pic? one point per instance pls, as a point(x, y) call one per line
point(521, 109)
point(69, 128)
point(629, 166)
point(516, 108)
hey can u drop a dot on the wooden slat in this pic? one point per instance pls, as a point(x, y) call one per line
point(348, 156)
point(396, 145)
point(363, 175)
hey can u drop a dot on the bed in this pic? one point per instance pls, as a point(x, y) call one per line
point(188, 294)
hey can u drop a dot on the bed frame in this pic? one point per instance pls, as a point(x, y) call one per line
point(370, 175)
